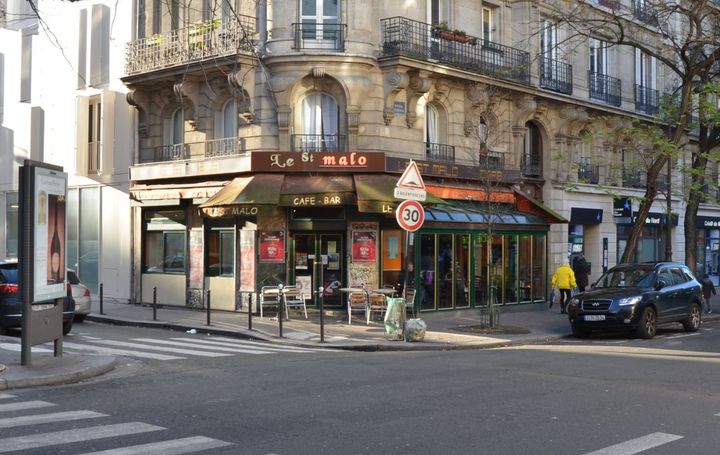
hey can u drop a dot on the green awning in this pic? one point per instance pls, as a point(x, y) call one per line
point(245, 195)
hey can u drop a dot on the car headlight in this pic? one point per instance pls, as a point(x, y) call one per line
point(629, 301)
point(575, 301)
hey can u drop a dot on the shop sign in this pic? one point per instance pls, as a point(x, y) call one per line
point(272, 246)
point(585, 216)
point(364, 246)
point(235, 210)
point(622, 207)
point(707, 222)
point(393, 164)
point(317, 161)
point(314, 200)
point(656, 219)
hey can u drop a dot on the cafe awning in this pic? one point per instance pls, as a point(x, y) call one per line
point(316, 191)
point(530, 205)
point(244, 195)
point(160, 192)
point(376, 193)
point(477, 213)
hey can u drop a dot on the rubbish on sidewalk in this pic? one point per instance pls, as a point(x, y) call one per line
point(394, 319)
point(415, 330)
point(192, 331)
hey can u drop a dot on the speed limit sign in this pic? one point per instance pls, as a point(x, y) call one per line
point(410, 215)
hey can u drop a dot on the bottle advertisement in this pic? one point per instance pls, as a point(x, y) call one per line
point(50, 241)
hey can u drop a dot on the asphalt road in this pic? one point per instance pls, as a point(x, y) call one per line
point(605, 395)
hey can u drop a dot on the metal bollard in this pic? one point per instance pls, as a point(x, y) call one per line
point(207, 304)
point(281, 299)
point(154, 303)
point(322, 315)
point(250, 311)
point(101, 299)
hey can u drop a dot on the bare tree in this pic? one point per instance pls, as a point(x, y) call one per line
point(683, 37)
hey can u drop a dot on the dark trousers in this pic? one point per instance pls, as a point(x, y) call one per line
point(565, 295)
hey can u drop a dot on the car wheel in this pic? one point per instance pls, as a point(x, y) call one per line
point(580, 332)
point(648, 324)
point(67, 326)
point(692, 323)
point(79, 317)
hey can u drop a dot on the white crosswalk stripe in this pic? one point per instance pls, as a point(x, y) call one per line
point(172, 447)
point(177, 342)
point(122, 352)
point(161, 348)
point(23, 405)
point(15, 347)
point(638, 445)
point(257, 344)
point(5, 396)
point(12, 422)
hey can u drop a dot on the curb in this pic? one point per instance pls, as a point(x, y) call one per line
point(60, 378)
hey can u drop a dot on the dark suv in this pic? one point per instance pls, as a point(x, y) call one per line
point(638, 297)
point(11, 306)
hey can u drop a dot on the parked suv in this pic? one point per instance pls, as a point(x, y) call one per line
point(638, 297)
point(11, 305)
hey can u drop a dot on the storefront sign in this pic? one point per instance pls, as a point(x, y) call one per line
point(585, 216)
point(316, 200)
point(233, 210)
point(622, 207)
point(364, 246)
point(707, 222)
point(656, 219)
point(317, 161)
point(393, 164)
point(272, 246)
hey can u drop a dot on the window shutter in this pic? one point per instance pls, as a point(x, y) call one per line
point(108, 133)
point(81, 139)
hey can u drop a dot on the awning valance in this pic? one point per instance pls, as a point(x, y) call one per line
point(175, 191)
point(317, 191)
point(376, 193)
point(244, 195)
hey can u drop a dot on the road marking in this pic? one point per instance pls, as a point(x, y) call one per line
point(6, 395)
point(164, 349)
point(15, 347)
point(12, 422)
point(685, 335)
point(231, 342)
point(174, 342)
point(637, 445)
point(122, 352)
point(34, 441)
point(173, 447)
point(23, 405)
point(718, 414)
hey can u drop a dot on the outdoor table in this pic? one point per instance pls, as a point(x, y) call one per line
point(390, 292)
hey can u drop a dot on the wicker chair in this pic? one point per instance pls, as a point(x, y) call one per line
point(358, 301)
point(376, 303)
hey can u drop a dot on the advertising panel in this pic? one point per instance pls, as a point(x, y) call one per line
point(364, 246)
point(272, 246)
point(49, 234)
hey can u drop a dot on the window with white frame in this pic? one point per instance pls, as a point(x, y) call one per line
point(599, 61)
point(438, 11)
point(320, 124)
point(645, 69)
point(320, 19)
point(488, 23)
point(548, 39)
point(94, 130)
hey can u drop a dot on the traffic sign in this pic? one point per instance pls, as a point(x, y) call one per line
point(410, 215)
point(411, 178)
point(410, 193)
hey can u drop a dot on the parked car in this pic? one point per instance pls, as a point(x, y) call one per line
point(638, 297)
point(11, 306)
point(81, 294)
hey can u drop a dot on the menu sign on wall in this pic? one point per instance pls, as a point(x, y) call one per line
point(272, 246)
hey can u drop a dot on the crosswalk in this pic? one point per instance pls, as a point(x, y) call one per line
point(176, 348)
point(21, 434)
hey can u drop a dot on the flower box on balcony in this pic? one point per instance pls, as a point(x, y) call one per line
point(458, 37)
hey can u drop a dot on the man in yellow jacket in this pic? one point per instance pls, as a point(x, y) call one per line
point(564, 278)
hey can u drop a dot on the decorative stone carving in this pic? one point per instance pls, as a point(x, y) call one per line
point(318, 72)
point(441, 89)
point(393, 83)
point(283, 117)
point(574, 120)
point(353, 118)
point(525, 107)
point(419, 84)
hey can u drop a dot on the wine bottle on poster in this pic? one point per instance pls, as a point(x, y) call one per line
point(55, 247)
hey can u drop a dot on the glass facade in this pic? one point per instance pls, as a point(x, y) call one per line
point(83, 234)
point(11, 224)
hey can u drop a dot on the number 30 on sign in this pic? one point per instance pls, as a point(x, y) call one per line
point(410, 215)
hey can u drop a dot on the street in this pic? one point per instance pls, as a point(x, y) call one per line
point(188, 393)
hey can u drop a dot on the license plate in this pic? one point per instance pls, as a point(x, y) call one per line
point(594, 317)
point(43, 306)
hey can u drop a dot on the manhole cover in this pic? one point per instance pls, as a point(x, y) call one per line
point(503, 329)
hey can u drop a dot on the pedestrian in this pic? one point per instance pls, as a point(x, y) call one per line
point(708, 289)
point(581, 268)
point(564, 278)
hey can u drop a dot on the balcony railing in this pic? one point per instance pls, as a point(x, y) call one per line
point(210, 39)
point(642, 13)
point(531, 166)
point(589, 173)
point(604, 88)
point(647, 100)
point(492, 161)
point(555, 75)
point(610, 4)
point(406, 37)
point(633, 178)
point(195, 150)
point(319, 143)
point(439, 152)
point(312, 35)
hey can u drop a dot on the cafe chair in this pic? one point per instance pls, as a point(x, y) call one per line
point(269, 296)
point(293, 299)
point(357, 302)
point(409, 297)
point(376, 303)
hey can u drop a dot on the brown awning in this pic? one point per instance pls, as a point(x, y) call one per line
point(316, 191)
point(376, 193)
point(244, 195)
point(176, 191)
point(527, 204)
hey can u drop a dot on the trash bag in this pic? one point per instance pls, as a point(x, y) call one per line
point(394, 317)
point(415, 330)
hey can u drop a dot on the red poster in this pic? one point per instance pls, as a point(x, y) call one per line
point(272, 246)
point(364, 246)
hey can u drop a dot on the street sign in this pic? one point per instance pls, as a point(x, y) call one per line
point(410, 215)
point(410, 185)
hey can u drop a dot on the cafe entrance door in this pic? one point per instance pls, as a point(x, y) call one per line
point(325, 248)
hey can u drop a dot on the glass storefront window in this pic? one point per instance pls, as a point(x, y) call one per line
point(525, 267)
point(426, 290)
point(11, 224)
point(73, 208)
point(538, 267)
point(497, 283)
point(393, 255)
point(89, 238)
point(462, 270)
point(510, 269)
point(221, 253)
point(482, 250)
point(445, 271)
point(164, 242)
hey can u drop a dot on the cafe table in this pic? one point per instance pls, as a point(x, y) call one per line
point(390, 292)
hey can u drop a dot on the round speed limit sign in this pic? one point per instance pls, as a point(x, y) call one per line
point(410, 215)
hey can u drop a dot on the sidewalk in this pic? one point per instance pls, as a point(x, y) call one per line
point(451, 330)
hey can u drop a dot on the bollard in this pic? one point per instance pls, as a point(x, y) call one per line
point(322, 315)
point(101, 299)
point(281, 299)
point(250, 311)
point(154, 303)
point(207, 304)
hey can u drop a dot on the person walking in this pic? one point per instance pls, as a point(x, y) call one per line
point(708, 290)
point(564, 278)
point(581, 268)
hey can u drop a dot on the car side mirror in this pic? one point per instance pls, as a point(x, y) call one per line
point(660, 284)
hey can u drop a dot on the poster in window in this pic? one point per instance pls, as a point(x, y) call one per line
point(247, 261)
point(333, 261)
point(301, 261)
point(49, 234)
point(364, 246)
point(272, 246)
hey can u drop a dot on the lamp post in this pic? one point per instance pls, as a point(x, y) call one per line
point(668, 201)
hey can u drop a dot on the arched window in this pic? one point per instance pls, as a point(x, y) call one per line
point(320, 125)
point(178, 127)
point(435, 136)
point(531, 164)
point(229, 119)
point(174, 148)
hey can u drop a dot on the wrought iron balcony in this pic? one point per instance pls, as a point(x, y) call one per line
point(441, 153)
point(210, 39)
point(633, 178)
point(604, 88)
point(588, 173)
point(647, 100)
point(312, 35)
point(492, 161)
point(409, 38)
point(555, 75)
point(531, 166)
point(319, 143)
point(195, 150)
point(610, 4)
